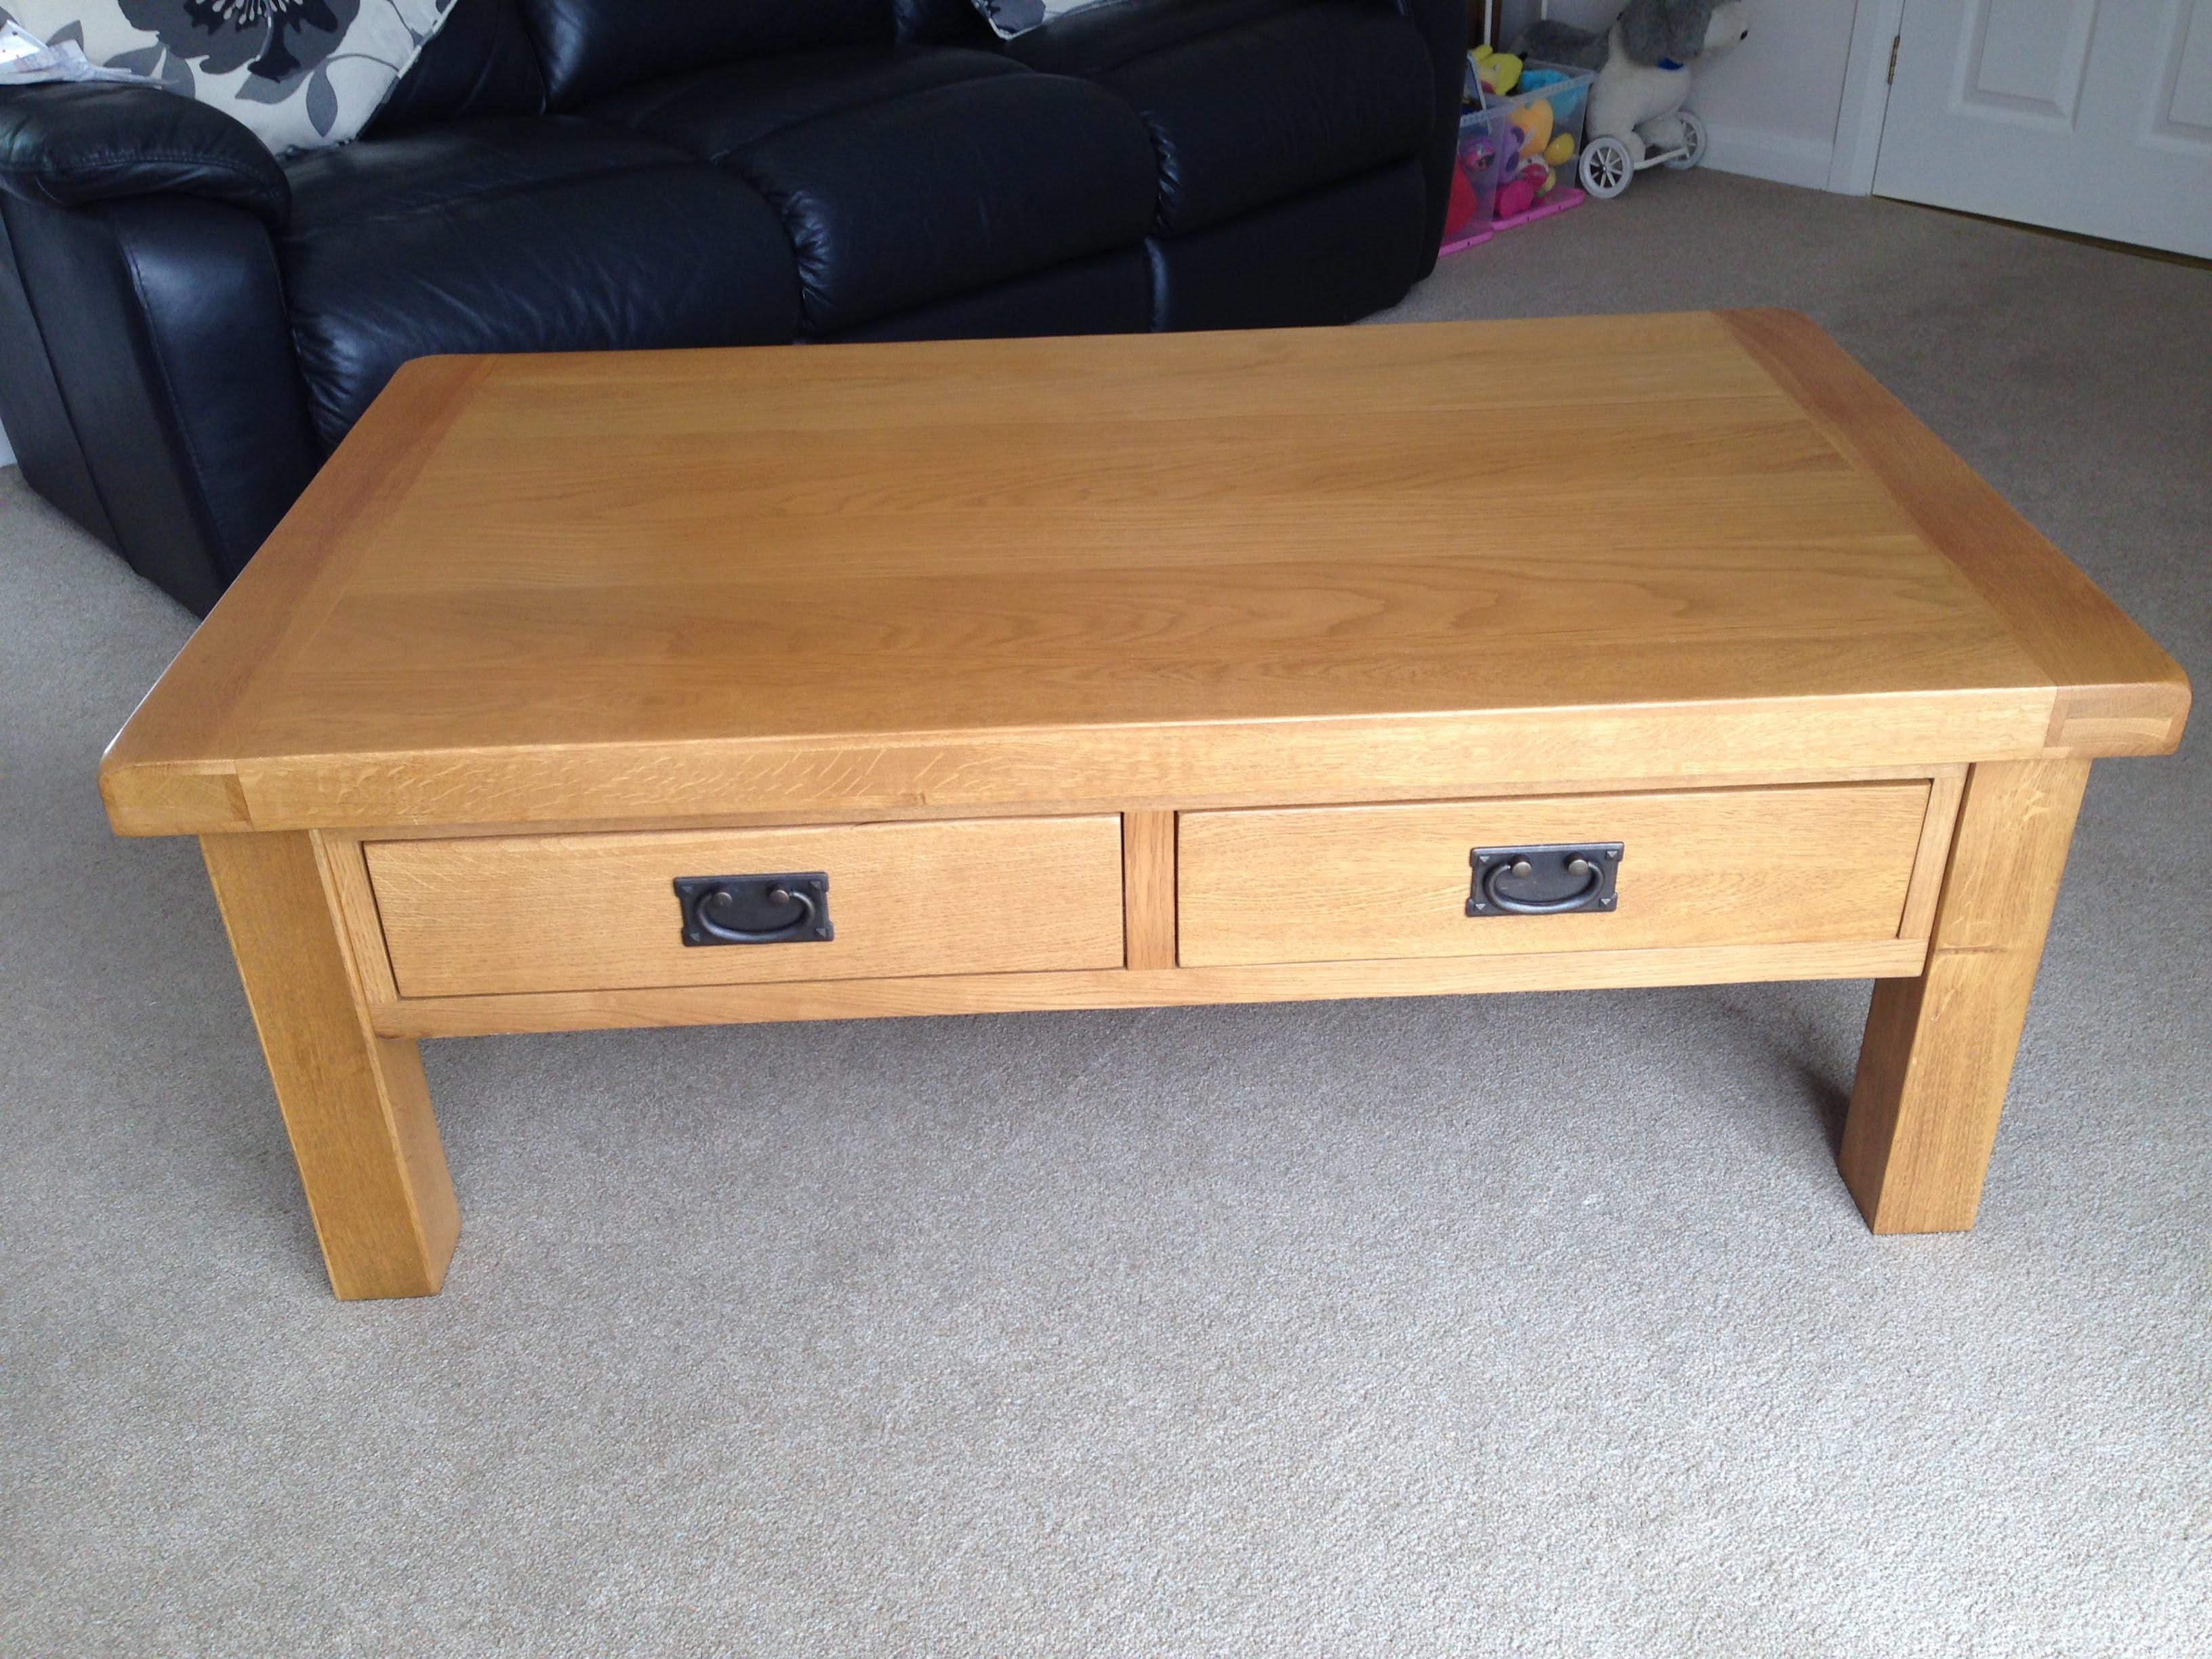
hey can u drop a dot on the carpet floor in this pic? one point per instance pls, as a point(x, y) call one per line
point(1535, 1324)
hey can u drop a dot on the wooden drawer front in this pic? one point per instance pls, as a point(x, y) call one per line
point(1824, 864)
point(579, 913)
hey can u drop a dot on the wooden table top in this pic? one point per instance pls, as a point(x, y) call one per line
point(1311, 564)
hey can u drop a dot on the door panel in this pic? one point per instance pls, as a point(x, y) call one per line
point(2184, 107)
point(2026, 58)
point(2092, 116)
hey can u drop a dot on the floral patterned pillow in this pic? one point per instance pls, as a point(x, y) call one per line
point(302, 73)
point(1013, 17)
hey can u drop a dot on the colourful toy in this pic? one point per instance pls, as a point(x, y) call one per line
point(1484, 154)
point(1516, 149)
point(1497, 72)
point(1535, 126)
point(1518, 197)
point(1460, 210)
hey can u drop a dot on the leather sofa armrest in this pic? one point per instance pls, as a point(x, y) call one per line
point(71, 143)
point(1442, 24)
point(1443, 27)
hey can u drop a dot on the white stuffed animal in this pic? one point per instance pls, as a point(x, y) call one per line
point(1642, 65)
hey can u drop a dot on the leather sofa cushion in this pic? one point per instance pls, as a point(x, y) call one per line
point(594, 47)
point(1277, 101)
point(904, 177)
point(481, 62)
point(1105, 293)
point(550, 234)
point(70, 143)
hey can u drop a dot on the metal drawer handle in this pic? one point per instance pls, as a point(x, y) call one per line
point(1592, 867)
point(748, 896)
point(1522, 869)
point(715, 930)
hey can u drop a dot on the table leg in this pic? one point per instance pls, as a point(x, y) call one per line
point(355, 1103)
point(1938, 1051)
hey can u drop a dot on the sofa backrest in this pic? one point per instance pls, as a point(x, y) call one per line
point(481, 62)
point(942, 23)
point(590, 48)
point(524, 56)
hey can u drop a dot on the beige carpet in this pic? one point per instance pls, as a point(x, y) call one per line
point(1529, 1325)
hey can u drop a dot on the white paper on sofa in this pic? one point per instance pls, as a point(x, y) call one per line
point(27, 61)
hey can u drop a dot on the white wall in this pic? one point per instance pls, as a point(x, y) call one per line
point(1770, 104)
point(7, 455)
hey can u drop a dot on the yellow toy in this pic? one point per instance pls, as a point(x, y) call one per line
point(1536, 123)
point(1560, 150)
point(1499, 72)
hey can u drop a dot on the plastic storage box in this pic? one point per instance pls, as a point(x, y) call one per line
point(1477, 172)
point(1517, 153)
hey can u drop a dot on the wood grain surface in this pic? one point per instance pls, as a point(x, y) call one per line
point(1248, 566)
point(2118, 694)
point(1148, 889)
point(354, 1103)
point(1937, 1057)
point(999, 993)
point(1086, 668)
point(1945, 791)
point(1731, 866)
point(552, 913)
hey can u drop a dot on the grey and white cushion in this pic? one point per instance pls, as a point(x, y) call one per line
point(1012, 17)
point(302, 73)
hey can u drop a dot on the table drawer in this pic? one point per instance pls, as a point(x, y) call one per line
point(576, 912)
point(1822, 864)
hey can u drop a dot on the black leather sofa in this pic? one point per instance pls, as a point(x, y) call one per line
point(187, 329)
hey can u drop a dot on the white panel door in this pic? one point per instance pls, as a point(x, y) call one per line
point(2092, 116)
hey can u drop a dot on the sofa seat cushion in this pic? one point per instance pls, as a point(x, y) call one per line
point(1105, 293)
point(519, 235)
point(1250, 102)
point(904, 176)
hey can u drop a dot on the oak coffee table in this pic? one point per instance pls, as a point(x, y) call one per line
point(640, 690)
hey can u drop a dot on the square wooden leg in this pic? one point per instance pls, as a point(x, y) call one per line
point(1938, 1051)
point(355, 1103)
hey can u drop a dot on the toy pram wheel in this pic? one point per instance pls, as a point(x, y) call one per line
point(1607, 168)
point(1693, 141)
